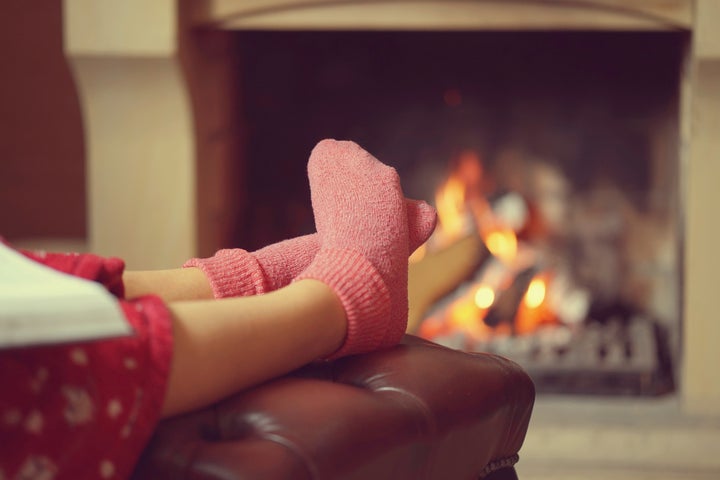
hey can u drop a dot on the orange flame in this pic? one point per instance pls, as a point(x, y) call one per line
point(460, 198)
point(461, 206)
point(466, 315)
point(534, 310)
point(535, 294)
point(450, 204)
point(484, 297)
point(502, 243)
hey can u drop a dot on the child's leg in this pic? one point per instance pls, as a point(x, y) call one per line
point(86, 410)
point(352, 298)
point(361, 219)
point(170, 285)
point(226, 345)
point(236, 272)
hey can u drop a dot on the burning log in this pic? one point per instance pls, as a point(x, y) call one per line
point(506, 306)
point(484, 285)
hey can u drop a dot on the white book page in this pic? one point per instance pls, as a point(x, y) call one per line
point(39, 305)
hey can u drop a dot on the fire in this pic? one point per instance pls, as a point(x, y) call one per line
point(484, 297)
point(467, 316)
point(463, 208)
point(459, 200)
point(502, 243)
point(535, 293)
point(464, 314)
point(534, 310)
point(450, 204)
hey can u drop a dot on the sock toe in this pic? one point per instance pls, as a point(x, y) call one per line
point(422, 220)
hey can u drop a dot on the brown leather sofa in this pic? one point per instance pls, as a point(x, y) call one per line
point(415, 411)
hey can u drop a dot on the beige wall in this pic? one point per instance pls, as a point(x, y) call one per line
point(701, 168)
point(139, 130)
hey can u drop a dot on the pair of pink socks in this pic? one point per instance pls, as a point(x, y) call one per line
point(366, 230)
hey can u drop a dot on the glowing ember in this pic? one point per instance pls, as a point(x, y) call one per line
point(534, 310)
point(463, 208)
point(459, 200)
point(535, 294)
point(432, 327)
point(502, 244)
point(463, 314)
point(450, 204)
point(484, 297)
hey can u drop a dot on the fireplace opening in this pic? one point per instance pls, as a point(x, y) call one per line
point(551, 156)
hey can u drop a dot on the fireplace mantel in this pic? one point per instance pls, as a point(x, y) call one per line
point(446, 14)
point(162, 138)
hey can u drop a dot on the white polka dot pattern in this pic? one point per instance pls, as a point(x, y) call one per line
point(85, 411)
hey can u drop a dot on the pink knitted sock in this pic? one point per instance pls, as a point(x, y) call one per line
point(361, 219)
point(236, 272)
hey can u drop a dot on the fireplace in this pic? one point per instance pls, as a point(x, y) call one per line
point(156, 88)
point(567, 141)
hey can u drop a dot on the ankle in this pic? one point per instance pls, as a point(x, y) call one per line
point(326, 315)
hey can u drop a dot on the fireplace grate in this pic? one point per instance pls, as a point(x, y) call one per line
point(628, 357)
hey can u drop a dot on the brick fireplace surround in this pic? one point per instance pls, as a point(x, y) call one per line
point(156, 104)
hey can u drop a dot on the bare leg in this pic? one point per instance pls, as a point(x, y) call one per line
point(234, 272)
point(170, 285)
point(223, 346)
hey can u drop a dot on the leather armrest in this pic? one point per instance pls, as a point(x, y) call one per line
point(414, 411)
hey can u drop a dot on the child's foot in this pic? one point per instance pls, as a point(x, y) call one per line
point(236, 272)
point(361, 219)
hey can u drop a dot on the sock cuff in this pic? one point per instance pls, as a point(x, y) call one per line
point(231, 273)
point(362, 292)
point(281, 262)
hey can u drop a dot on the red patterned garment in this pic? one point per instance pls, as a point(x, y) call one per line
point(85, 410)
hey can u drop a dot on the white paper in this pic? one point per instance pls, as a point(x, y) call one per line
point(39, 305)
